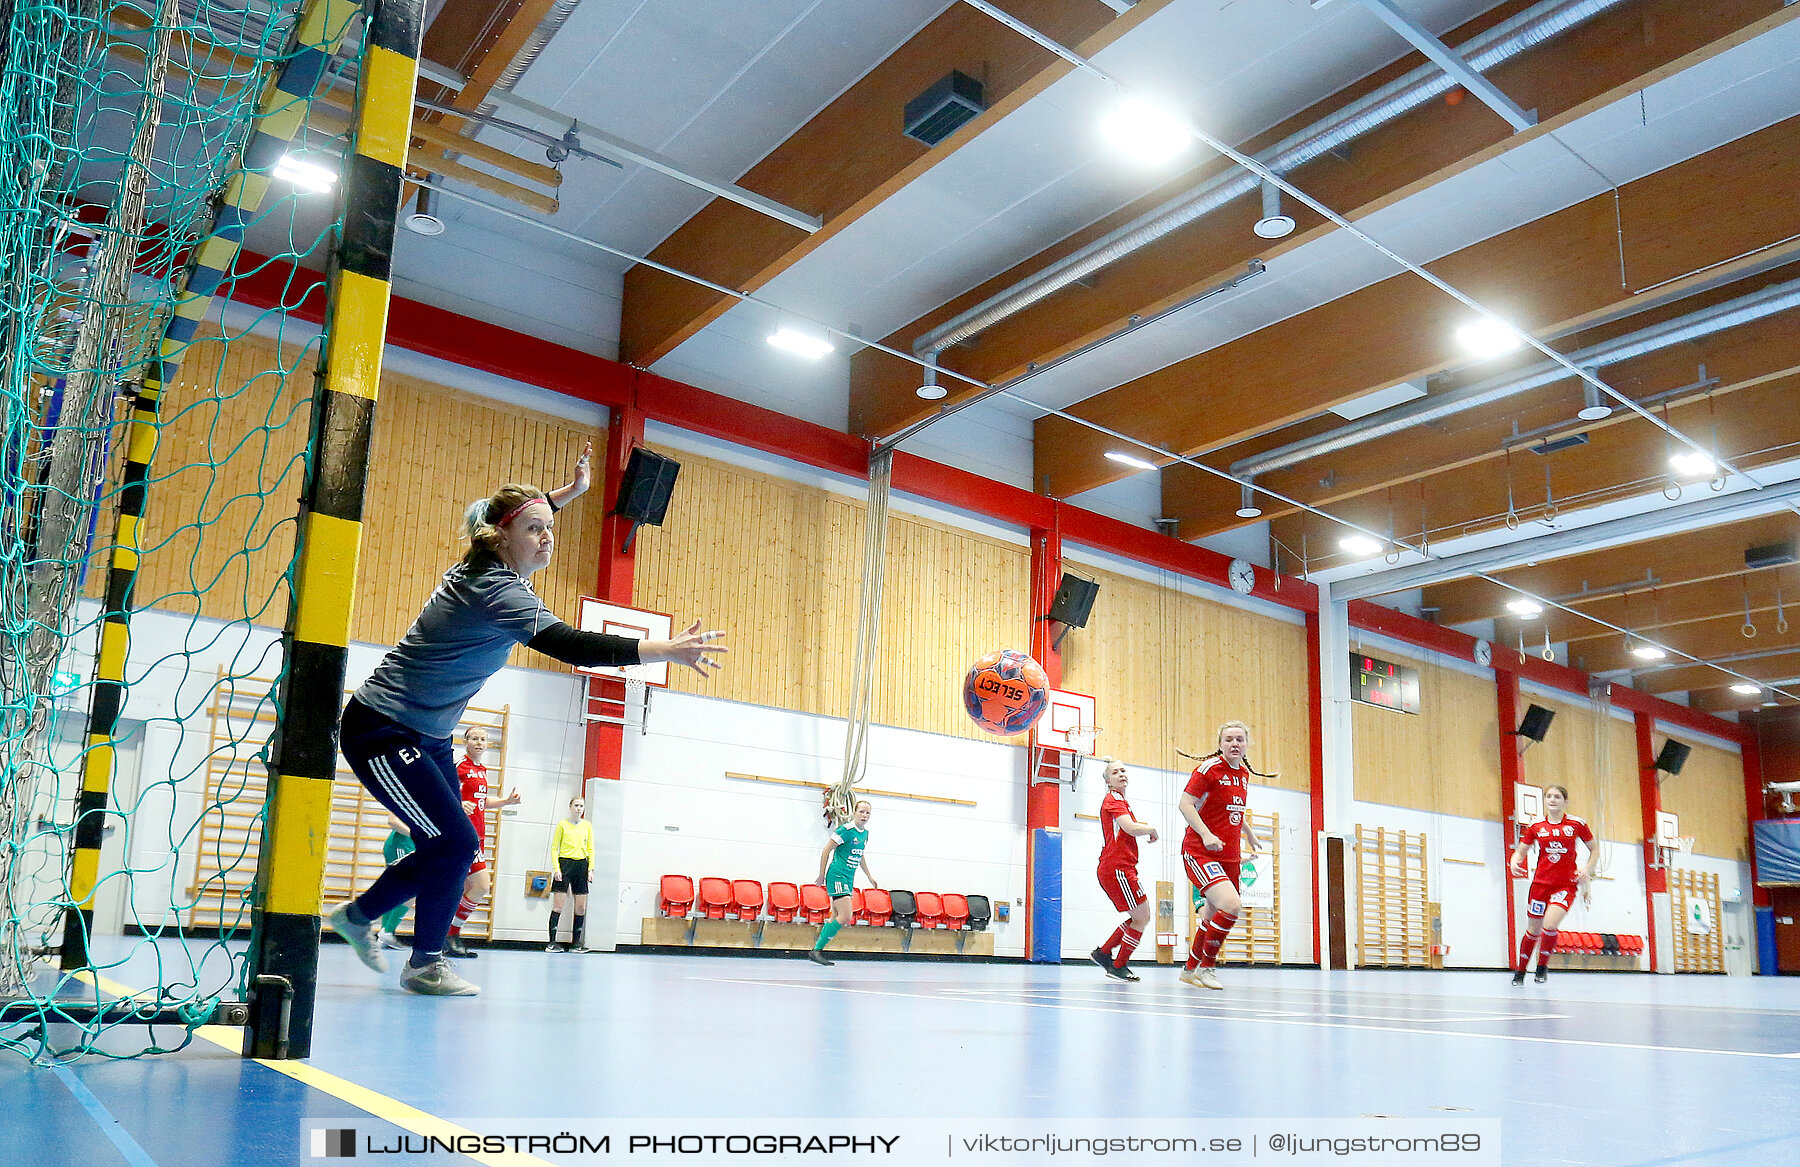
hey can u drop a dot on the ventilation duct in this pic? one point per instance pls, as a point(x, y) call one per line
point(1501, 43)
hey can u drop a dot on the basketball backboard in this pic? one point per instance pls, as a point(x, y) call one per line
point(1668, 830)
point(1067, 723)
point(637, 623)
point(1528, 803)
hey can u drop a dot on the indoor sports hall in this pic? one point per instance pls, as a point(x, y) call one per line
point(587, 581)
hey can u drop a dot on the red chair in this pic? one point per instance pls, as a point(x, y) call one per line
point(676, 897)
point(715, 897)
point(857, 913)
point(746, 899)
point(784, 902)
point(956, 911)
point(815, 905)
point(878, 906)
point(931, 909)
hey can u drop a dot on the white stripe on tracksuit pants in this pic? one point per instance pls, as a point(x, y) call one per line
point(415, 778)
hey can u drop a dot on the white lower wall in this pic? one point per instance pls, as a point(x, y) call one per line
point(677, 812)
point(1466, 873)
point(683, 816)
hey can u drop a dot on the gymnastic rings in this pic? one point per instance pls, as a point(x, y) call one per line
point(1672, 485)
point(1512, 519)
point(1717, 483)
point(1748, 631)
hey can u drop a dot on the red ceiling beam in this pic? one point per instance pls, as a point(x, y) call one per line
point(439, 333)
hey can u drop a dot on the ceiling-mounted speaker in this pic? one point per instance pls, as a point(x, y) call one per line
point(1537, 723)
point(1074, 601)
point(946, 107)
point(1769, 555)
point(1673, 757)
point(644, 490)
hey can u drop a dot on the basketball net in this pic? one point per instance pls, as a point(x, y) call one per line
point(840, 801)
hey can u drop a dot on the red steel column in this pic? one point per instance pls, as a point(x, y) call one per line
point(1512, 772)
point(1315, 701)
point(613, 582)
point(1043, 807)
point(1656, 880)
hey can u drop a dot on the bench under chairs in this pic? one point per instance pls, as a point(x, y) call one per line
point(746, 913)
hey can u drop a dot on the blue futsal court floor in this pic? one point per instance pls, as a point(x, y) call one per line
point(1588, 1069)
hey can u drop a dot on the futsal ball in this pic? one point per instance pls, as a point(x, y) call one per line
point(1006, 692)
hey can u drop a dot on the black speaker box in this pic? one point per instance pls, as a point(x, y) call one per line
point(1673, 757)
point(645, 487)
point(1074, 601)
point(1536, 723)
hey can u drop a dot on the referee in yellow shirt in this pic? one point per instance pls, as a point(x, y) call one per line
point(572, 851)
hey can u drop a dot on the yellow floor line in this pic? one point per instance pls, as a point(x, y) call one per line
point(406, 1117)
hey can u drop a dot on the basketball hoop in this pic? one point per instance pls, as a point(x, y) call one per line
point(637, 692)
point(1080, 738)
point(1684, 844)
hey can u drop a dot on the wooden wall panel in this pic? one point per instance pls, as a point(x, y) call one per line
point(778, 566)
point(220, 522)
point(1601, 774)
point(1166, 668)
point(1708, 795)
point(1445, 759)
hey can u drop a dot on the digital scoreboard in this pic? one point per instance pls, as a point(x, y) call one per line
point(1383, 683)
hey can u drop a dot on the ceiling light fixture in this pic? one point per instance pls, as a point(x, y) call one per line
point(422, 221)
point(1648, 652)
point(1359, 544)
point(1523, 608)
point(794, 341)
point(1746, 688)
point(1141, 131)
point(1488, 338)
point(1692, 463)
point(1592, 408)
point(304, 173)
point(1247, 508)
point(1127, 460)
point(1273, 224)
point(931, 390)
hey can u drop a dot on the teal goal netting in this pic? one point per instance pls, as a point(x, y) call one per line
point(166, 168)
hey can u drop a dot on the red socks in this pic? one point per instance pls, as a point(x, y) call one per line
point(1128, 942)
point(1114, 940)
point(463, 908)
point(1205, 951)
point(1550, 939)
point(1525, 943)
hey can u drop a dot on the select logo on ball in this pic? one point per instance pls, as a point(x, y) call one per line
point(1005, 692)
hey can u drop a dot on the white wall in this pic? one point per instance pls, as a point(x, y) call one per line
point(1474, 897)
point(1089, 917)
point(683, 816)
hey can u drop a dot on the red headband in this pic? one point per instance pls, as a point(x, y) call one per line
point(514, 513)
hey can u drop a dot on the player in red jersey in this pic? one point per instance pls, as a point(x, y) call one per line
point(474, 777)
point(1218, 836)
point(1556, 881)
point(1119, 834)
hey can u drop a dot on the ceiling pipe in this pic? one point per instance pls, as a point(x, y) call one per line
point(1757, 305)
point(540, 36)
point(1501, 43)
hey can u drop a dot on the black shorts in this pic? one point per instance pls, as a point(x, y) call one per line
point(571, 875)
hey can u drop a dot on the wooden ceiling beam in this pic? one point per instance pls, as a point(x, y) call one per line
point(1768, 670)
point(1739, 358)
point(1760, 428)
point(1720, 699)
point(1706, 639)
point(850, 157)
point(1611, 57)
point(1693, 555)
point(1548, 276)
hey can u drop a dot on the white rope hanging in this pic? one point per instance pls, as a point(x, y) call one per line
point(841, 799)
